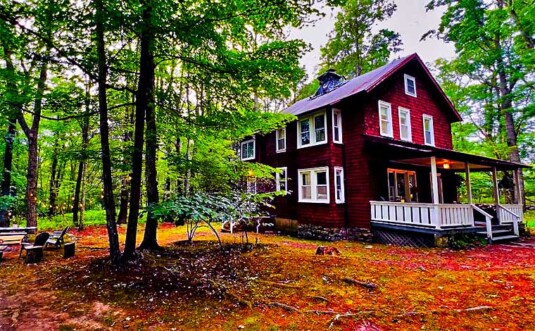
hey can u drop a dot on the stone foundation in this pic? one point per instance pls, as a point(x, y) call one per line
point(317, 232)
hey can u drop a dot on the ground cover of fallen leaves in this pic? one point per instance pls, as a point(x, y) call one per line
point(277, 283)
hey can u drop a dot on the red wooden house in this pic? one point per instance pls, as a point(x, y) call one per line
point(375, 152)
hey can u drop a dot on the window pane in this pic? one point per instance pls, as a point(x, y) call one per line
point(306, 192)
point(321, 178)
point(319, 125)
point(305, 177)
point(410, 86)
point(321, 192)
point(305, 132)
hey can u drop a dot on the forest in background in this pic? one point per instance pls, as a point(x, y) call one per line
point(120, 105)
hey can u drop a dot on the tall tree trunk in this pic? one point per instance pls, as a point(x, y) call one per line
point(151, 226)
point(84, 125)
point(506, 108)
point(32, 135)
point(143, 98)
point(109, 203)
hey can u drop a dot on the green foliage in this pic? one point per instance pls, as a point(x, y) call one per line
point(354, 46)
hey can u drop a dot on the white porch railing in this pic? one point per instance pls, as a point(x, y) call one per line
point(510, 214)
point(422, 214)
point(488, 220)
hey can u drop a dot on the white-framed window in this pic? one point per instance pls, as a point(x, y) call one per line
point(314, 185)
point(410, 85)
point(280, 140)
point(339, 184)
point(312, 130)
point(281, 179)
point(385, 119)
point(337, 126)
point(248, 150)
point(405, 131)
point(429, 132)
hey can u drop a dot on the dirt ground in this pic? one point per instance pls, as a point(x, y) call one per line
point(277, 283)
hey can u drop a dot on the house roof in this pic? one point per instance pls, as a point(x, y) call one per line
point(407, 152)
point(364, 84)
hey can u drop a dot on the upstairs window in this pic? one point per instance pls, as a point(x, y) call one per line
point(429, 132)
point(410, 86)
point(280, 137)
point(385, 119)
point(248, 150)
point(314, 185)
point(404, 124)
point(311, 130)
point(281, 179)
point(337, 126)
point(339, 184)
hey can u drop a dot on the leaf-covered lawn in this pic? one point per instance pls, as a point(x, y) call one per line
point(279, 284)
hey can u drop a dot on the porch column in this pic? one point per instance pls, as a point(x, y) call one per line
point(434, 179)
point(518, 195)
point(467, 182)
point(434, 186)
point(495, 187)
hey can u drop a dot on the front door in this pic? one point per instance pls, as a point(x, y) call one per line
point(402, 185)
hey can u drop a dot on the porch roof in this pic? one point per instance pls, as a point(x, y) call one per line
point(416, 154)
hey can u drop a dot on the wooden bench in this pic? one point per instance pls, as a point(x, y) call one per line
point(12, 238)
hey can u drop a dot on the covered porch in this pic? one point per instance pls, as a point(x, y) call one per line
point(422, 190)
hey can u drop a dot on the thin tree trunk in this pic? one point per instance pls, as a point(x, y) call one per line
point(109, 203)
point(53, 193)
point(143, 98)
point(14, 112)
point(84, 125)
point(125, 182)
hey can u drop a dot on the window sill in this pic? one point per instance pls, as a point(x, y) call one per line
point(325, 202)
point(281, 151)
point(248, 159)
point(312, 145)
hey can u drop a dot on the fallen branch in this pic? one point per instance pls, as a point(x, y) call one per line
point(317, 297)
point(284, 306)
point(267, 282)
point(338, 317)
point(368, 285)
point(478, 308)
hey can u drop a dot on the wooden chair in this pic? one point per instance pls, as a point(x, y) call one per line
point(57, 239)
point(37, 247)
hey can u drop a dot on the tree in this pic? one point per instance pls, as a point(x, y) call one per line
point(491, 79)
point(354, 47)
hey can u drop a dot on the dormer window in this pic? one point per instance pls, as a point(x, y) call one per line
point(248, 150)
point(280, 137)
point(410, 86)
point(329, 81)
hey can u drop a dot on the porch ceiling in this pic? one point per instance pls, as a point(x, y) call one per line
point(415, 154)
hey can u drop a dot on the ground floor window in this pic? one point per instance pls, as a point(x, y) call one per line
point(281, 179)
point(314, 185)
point(402, 185)
point(339, 184)
point(251, 185)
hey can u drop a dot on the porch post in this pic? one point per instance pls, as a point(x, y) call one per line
point(434, 179)
point(467, 182)
point(495, 187)
point(518, 195)
point(434, 185)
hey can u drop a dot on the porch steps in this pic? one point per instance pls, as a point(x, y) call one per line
point(503, 232)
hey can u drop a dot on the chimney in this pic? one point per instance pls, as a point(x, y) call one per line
point(328, 82)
